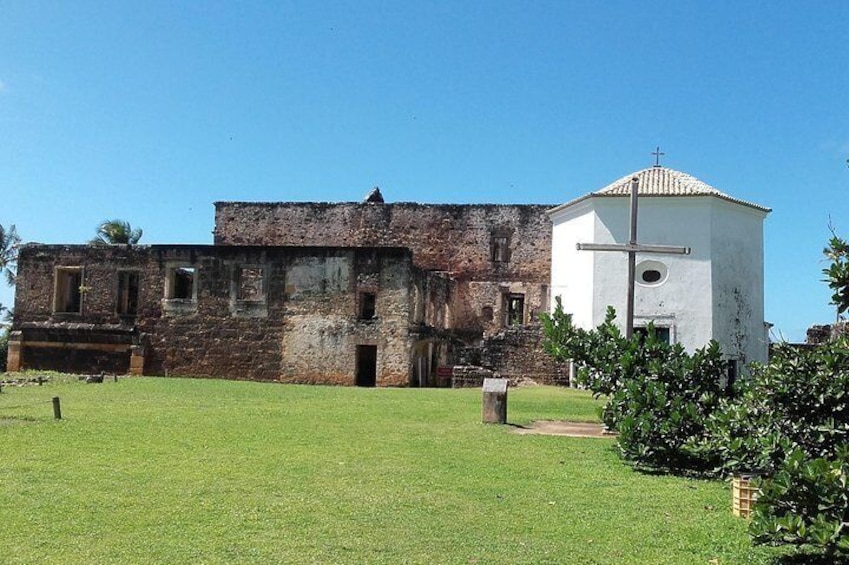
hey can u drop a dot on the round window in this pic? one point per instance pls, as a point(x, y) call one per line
point(652, 273)
point(651, 276)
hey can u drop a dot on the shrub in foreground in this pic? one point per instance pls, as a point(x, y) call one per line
point(806, 503)
point(659, 396)
point(799, 401)
point(791, 423)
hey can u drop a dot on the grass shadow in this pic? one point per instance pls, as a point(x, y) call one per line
point(802, 558)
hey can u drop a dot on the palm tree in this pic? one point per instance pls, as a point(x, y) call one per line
point(10, 241)
point(111, 232)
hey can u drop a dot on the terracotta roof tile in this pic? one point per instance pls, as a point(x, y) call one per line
point(662, 181)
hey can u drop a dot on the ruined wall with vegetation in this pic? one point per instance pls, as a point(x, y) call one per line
point(516, 353)
point(242, 312)
point(489, 251)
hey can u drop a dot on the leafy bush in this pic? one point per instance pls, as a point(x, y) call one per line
point(806, 503)
point(791, 424)
point(597, 353)
point(664, 405)
point(789, 420)
point(659, 396)
point(837, 273)
point(799, 401)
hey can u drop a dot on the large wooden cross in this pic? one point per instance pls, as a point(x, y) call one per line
point(632, 248)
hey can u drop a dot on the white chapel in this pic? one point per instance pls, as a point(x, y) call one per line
point(715, 292)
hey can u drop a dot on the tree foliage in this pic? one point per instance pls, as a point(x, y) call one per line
point(793, 423)
point(116, 232)
point(658, 396)
point(806, 503)
point(837, 273)
point(798, 402)
point(10, 242)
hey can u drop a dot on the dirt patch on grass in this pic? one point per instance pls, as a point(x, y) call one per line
point(563, 428)
point(8, 421)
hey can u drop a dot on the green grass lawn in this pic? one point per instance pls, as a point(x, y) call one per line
point(155, 470)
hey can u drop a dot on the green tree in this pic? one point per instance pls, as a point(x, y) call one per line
point(116, 232)
point(837, 273)
point(10, 242)
point(659, 396)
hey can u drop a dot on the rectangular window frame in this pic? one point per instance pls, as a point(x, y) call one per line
point(240, 305)
point(173, 303)
point(513, 317)
point(127, 295)
point(68, 290)
point(367, 309)
point(174, 288)
point(237, 288)
point(661, 330)
point(499, 246)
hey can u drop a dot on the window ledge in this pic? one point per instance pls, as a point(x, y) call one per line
point(179, 305)
point(249, 308)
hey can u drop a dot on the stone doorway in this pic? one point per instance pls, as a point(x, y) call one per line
point(366, 365)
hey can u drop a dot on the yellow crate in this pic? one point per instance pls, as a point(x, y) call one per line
point(743, 495)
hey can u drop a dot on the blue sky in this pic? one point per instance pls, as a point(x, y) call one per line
point(151, 111)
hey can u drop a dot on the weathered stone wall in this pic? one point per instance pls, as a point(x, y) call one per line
point(37, 266)
point(323, 327)
point(458, 240)
point(516, 353)
point(298, 300)
point(443, 237)
point(819, 334)
point(282, 294)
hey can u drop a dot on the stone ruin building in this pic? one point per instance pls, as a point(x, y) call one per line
point(369, 293)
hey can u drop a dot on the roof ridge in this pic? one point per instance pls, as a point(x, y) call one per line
point(663, 181)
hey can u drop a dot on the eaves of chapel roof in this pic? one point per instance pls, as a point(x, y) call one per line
point(661, 181)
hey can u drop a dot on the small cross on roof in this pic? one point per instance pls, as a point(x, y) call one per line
point(657, 155)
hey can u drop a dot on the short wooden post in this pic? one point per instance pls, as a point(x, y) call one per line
point(137, 353)
point(57, 409)
point(15, 351)
point(495, 401)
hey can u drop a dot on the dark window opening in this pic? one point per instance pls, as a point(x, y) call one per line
point(731, 374)
point(500, 248)
point(69, 289)
point(249, 283)
point(182, 283)
point(368, 306)
point(366, 365)
point(128, 293)
point(515, 309)
point(661, 333)
point(651, 276)
point(486, 313)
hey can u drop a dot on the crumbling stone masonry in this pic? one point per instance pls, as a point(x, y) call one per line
point(262, 313)
point(497, 256)
point(350, 293)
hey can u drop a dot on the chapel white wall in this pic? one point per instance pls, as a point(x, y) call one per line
point(684, 301)
point(572, 276)
point(738, 281)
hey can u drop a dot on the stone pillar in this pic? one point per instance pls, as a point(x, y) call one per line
point(494, 401)
point(13, 358)
point(137, 360)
